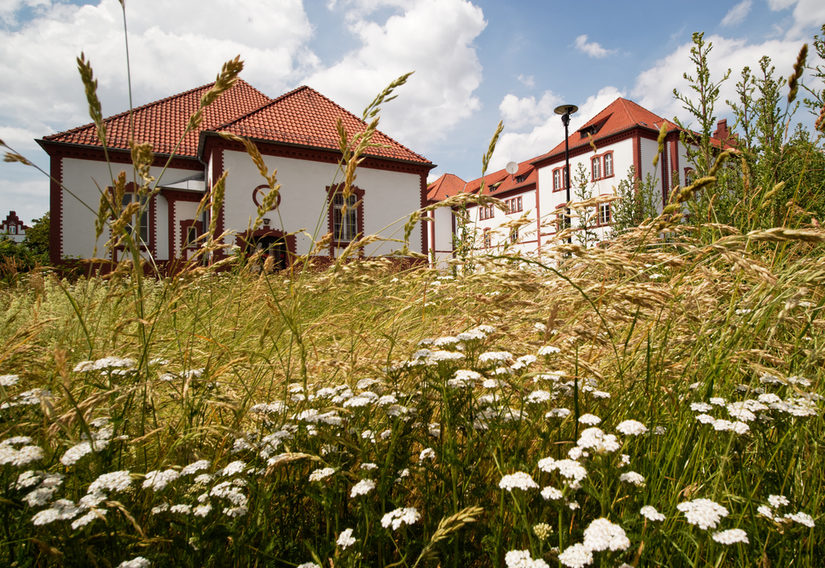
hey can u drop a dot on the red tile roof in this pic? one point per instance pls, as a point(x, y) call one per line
point(500, 181)
point(163, 122)
point(308, 118)
point(445, 186)
point(619, 116)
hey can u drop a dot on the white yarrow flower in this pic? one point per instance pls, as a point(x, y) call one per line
point(523, 559)
point(362, 488)
point(576, 556)
point(400, 516)
point(321, 474)
point(631, 428)
point(518, 480)
point(589, 419)
point(731, 536)
point(601, 534)
point(703, 513)
point(651, 514)
point(345, 539)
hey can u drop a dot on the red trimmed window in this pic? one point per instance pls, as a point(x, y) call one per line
point(485, 213)
point(514, 205)
point(605, 215)
point(596, 167)
point(608, 165)
point(142, 229)
point(514, 235)
point(488, 238)
point(558, 179)
point(601, 166)
point(346, 214)
point(190, 230)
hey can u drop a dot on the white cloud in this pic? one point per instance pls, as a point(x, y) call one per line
point(174, 46)
point(654, 88)
point(591, 48)
point(527, 111)
point(527, 80)
point(434, 38)
point(738, 13)
point(520, 146)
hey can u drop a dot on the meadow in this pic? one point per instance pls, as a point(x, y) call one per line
point(652, 401)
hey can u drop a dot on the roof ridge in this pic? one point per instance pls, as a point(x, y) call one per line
point(147, 106)
point(302, 88)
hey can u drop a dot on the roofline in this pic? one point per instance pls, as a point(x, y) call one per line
point(544, 158)
point(276, 100)
point(204, 133)
point(145, 106)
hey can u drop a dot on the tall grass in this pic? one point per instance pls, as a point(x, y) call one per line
point(386, 378)
point(656, 401)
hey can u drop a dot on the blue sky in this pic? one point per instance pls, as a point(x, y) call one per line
point(476, 62)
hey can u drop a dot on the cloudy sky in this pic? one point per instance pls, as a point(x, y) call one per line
point(476, 62)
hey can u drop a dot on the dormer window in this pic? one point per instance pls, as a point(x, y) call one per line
point(521, 178)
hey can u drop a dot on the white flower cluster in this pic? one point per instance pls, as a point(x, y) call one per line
point(495, 356)
point(345, 539)
point(600, 535)
point(651, 514)
point(571, 470)
point(321, 474)
point(136, 562)
point(703, 513)
point(18, 451)
point(778, 501)
point(731, 536)
point(518, 480)
point(400, 516)
point(105, 364)
point(523, 559)
point(595, 439)
point(158, 480)
point(28, 398)
point(362, 488)
point(9, 380)
point(631, 428)
point(464, 378)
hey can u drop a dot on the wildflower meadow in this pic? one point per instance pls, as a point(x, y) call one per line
point(656, 400)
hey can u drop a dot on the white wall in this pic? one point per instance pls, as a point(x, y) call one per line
point(389, 199)
point(85, 179)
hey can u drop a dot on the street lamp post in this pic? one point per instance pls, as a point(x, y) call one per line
point(565, 111)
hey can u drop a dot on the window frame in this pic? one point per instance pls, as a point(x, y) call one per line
point(601, 207)
point(601, 162)
point(596, 168)
point(358, 210)
point(514, 205)
point(607, 155)
point(145, 245)
point(487, 238)
point(185, 225)
point(486, 212)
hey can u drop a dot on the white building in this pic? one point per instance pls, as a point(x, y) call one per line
point(12, 228)
point(619, 139)
point(296, 134)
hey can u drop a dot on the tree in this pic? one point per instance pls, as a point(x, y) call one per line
point(37, 239)
point(635, 203)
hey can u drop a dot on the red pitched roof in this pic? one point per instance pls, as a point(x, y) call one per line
point(619, 116)
point(308, 118)
point(163, 122)
point(445, 186)
point(500, 181)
